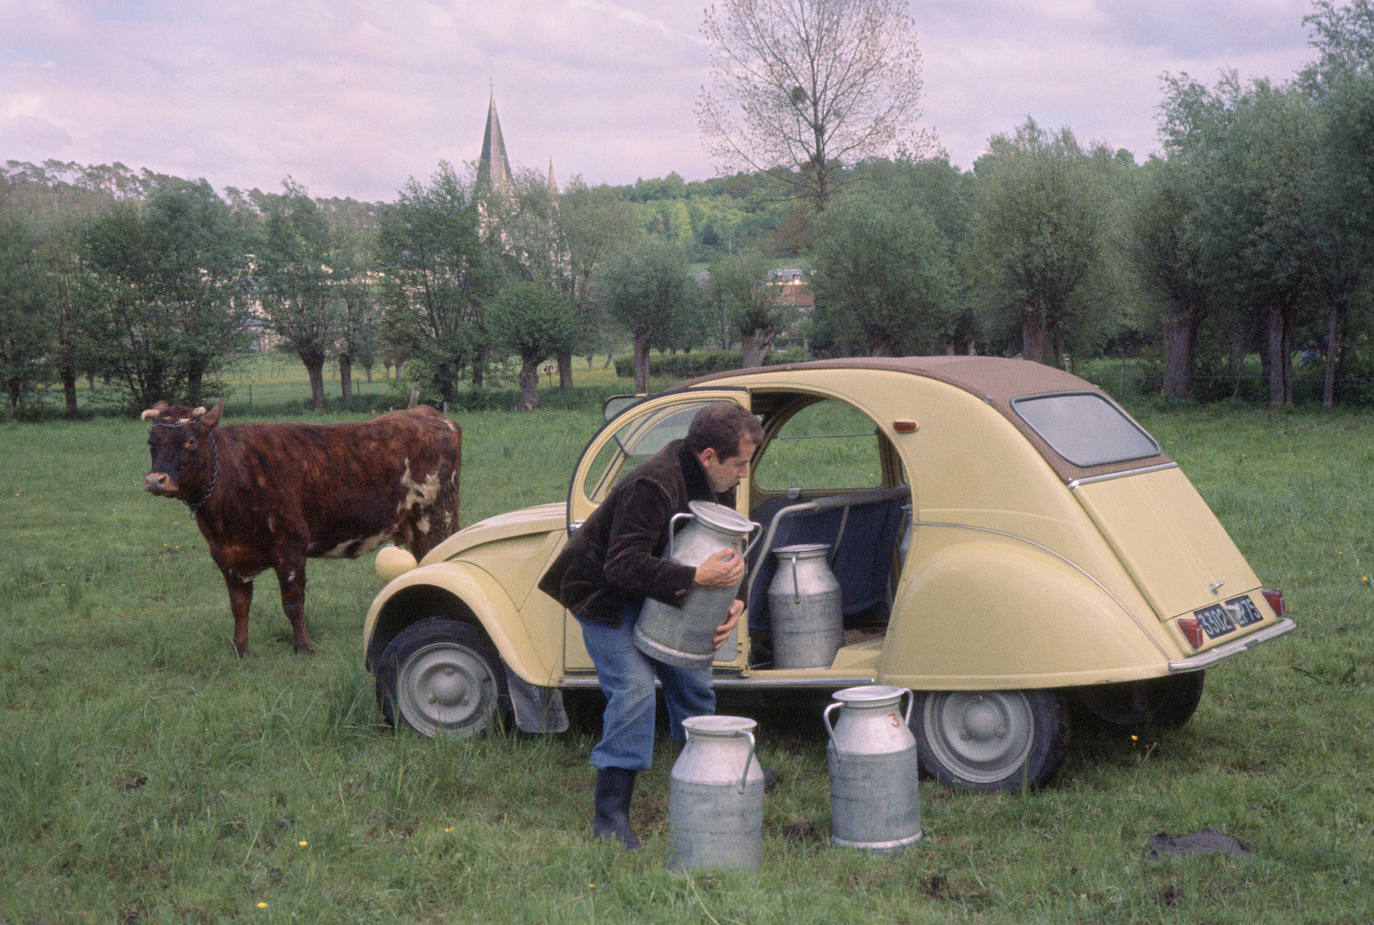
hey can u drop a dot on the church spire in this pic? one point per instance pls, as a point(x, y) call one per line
point(493, 168)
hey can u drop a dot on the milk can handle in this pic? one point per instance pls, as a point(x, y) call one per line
point(910, 702)
point(748, 762)
point(757, 530)
point(672, 527)
point(829, 729)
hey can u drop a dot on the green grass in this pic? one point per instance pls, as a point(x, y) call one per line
point(146, 775)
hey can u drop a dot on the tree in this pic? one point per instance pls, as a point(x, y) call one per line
point(882, 275)
point(802, 86)
point(170, 298)
point(648, 290)
point(295, 265)
point(536, 322)
point(24, 337)
point(1164, 249)
point(748, 303)
point(438, 278)
point(1035, 240)
point(594, 222)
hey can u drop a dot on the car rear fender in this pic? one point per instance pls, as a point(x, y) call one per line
point(982, 608)
point(455, 590)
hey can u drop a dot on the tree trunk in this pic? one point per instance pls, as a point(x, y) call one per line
point(641, 363)
point(529, 384)
point(565, 380)
point(346, 380)
point(1035, 341)
point(1333, 352)
point(69, 391)
point(1180, 350)
point(756, 345)
point(1278, 363)
point(316, 370)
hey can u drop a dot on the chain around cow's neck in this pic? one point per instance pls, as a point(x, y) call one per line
point(214, 475)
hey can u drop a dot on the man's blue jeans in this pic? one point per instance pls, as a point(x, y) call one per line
point(627, 677)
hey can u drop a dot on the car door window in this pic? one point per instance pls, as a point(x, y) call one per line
point(826, 445)
point(635, 441)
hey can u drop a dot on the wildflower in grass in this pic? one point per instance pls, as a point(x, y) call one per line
point(262, 905)
point(303, 843)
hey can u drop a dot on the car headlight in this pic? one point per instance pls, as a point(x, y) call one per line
point(393, 562)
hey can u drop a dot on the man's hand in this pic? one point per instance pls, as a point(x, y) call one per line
point(722, 570)
point(723, 631)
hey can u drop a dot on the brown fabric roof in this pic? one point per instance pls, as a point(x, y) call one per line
point(996, 380)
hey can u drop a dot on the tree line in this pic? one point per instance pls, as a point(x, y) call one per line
point(1248, 235)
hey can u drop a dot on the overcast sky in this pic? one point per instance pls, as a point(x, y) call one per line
point(353, 97)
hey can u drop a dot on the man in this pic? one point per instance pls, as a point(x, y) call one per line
point(614, 561)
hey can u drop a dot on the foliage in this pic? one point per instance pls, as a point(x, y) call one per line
point(749, 304)
point(536, 322)
point(800, 87)
point(677, 366)
point(438, 279)
point(1036, 253)
point(882, 275)
point(648, 291)
point(24, 325)
point(170, 309)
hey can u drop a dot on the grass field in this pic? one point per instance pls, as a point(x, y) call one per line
point(146, 775)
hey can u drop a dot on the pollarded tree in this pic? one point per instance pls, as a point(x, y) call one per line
point(650, 292)
point(593, 222)
point(439, 278)
point(24, 321)
point(882, 275)
point(535, 321)
point(1036, 238)
point(749, 304)
point(800, 87)
point(295, 266)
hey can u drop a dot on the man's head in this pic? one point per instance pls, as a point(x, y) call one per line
point(723, 437)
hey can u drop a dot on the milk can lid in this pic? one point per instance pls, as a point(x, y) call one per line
point(721, 517)
point(869, 693)
point(802, 550)
point(719, 725)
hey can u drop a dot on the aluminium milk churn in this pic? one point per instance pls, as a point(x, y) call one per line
point(874, 803)
point(683, 636)
point(715, 797)
point(804, 608)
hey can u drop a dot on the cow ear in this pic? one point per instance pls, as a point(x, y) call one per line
point(211, 418)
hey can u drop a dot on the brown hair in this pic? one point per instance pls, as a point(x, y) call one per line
point(722, 426)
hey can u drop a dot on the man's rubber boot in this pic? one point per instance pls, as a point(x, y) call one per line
point(614, 787)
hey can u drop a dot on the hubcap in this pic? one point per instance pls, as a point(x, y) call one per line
point(446, 688)
point(981, 737)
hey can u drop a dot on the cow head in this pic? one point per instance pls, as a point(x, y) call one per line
point(179, 442)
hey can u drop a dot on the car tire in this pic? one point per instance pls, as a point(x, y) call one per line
point(1165, 703)
point(442, 677)
point(991, 740)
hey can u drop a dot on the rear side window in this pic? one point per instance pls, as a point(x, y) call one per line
point(1085, 428)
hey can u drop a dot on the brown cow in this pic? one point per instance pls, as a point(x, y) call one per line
point(269, 495)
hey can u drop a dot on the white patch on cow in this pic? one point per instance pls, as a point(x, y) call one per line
point(353, 548)
point(422, 493)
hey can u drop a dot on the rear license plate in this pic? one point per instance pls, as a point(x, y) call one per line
point(1220, 619)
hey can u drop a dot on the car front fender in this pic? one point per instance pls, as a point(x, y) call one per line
point(457, 590)
point(987, 609)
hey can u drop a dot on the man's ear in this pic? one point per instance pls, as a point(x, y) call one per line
point(707, 455)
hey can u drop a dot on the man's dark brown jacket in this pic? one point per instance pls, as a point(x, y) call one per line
point(616, 555)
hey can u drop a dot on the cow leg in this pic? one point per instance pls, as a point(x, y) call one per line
point(291, 577)
point(240, 600)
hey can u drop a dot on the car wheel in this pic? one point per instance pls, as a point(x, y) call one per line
point(990, 740)
point(1166, 702)
point(442, 677)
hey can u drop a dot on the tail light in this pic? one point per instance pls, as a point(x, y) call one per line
point(1192, 631)
point(1276, 601)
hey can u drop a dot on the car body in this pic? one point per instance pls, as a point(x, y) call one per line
point(1010, 541)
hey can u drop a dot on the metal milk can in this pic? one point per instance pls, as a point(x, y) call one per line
point(874, 803)
point(715, 797)
point(804, 607)
point(683, 636)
